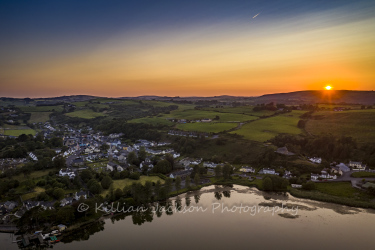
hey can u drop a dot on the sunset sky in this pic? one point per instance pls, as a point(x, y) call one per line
point(184, 48)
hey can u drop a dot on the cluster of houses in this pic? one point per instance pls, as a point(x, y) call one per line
point(44, 204)
point(76, 196)
point(48, 126)
point(357, 166)
point(67, 172)
point(9, 207)
point(210, 164)
point(324, 174)
point(162, 152)
point(246, 169)
point(332, 173)
point(111, 166)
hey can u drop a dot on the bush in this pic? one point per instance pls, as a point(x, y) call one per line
point(135, 176)
point(275, 183)
point(309, 185)
point(106, 182)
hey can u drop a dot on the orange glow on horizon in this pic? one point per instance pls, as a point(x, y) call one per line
point(241, 60)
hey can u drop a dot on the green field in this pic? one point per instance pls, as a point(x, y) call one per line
point(265, 129)
point(124, 102)
point(127, 182)
point(359, 124)
point(206, 127)
point(41, 108)
point(37, 190)
point(332, 106)
point(33, 175)
point(342, 189)
point(247, 110)
point(8, 126)
point(39, 117)
point(96, 105)
point(16, 130)
point(86, 114)
point(153, 121)
point(363, 175)
point(192, 114)
point(166, 104)
point(158, 103)
point(301, 162)
point(80, 104)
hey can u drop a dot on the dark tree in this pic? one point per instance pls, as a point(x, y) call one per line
point(267, 184)
point(106, 182)
point(178, 183)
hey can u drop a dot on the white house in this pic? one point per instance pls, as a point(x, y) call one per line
point(268, 171)
point(67, 172)
point(314, 177)
point(206, 120)
point(246, 169)
point(209, 164)
point(176, 155)
point(287, 174)
point(296, 186)
point(357, 166)
point(32, 156)
point(80, 194)
point(196, 162)
point(324, 175)
point(66, 201)
point(316, 160)
point(57, 150)
point(111, 166)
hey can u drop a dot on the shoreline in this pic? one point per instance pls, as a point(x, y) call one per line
point(301, 194)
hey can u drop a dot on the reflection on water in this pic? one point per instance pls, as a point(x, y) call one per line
point(199, 220)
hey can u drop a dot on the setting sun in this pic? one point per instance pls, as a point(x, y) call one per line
point(328, 87)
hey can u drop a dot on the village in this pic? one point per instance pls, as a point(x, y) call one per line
point(64, 164)
point(109, 154)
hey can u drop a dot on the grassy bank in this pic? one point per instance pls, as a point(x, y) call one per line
point(363, 175)
point(318, 196)
point(127, 182)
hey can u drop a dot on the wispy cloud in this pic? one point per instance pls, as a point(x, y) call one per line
point(256, 15)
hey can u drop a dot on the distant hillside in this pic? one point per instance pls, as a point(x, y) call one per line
point(299, 97)
point(317, 96)
point(190, 98)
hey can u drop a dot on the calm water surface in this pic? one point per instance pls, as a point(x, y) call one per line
point(316, 225)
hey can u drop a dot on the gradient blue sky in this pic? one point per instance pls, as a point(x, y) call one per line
point(130, 48)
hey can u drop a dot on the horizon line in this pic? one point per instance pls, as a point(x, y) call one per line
point(178, 96)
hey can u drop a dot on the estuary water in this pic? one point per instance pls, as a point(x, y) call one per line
point(236, 217)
